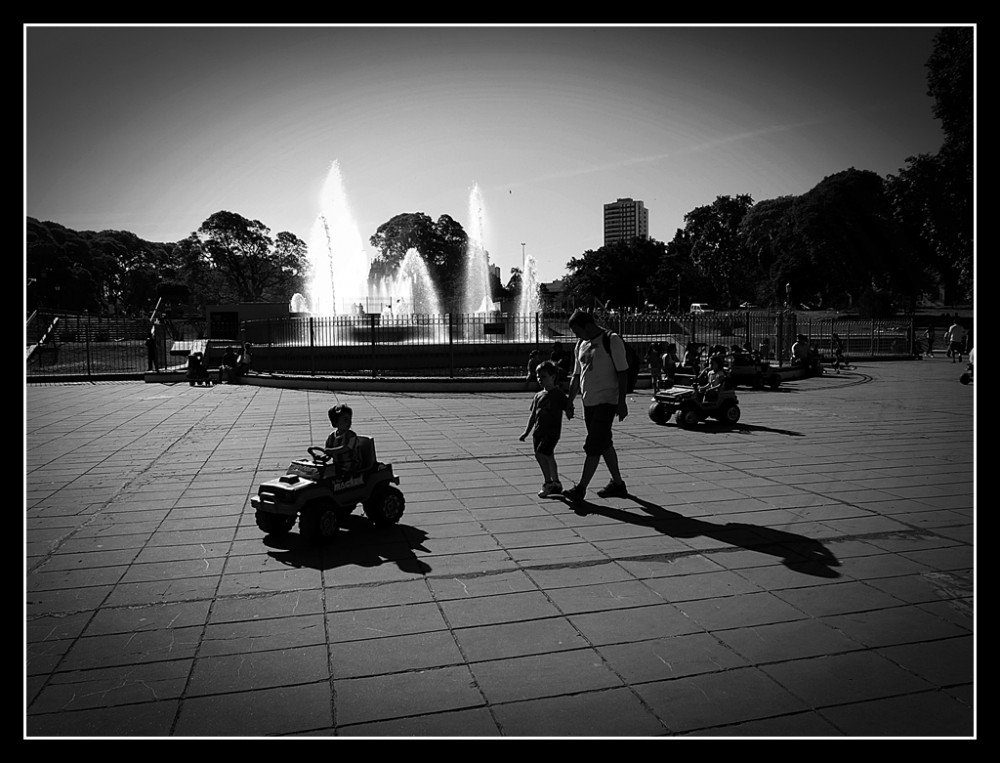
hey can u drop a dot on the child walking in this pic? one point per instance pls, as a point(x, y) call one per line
point(545, 425)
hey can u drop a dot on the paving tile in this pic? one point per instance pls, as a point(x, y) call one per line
point(706, 585)
point(394, 654)
point(662, 658)
point(380, 622)
point(280, 711)
point(899, 625)
point(275, 633)
point(132, 648)
point(738, 611)
point(623, 625)
point(181, 614)
point(266, 605)
point(607, 713)
point(712, 699)
point(543, 675)
point(151, 719)
point(838, 598)
point(786, 641)
point(498, 608)
point(669, 565)
point(925, 714)
point(491, 642)
point(947, 662)
point(807, 725)
point(459, 724)
point(364, 700)
point(841, 678)
point(576, 575)
point(475, 585)
point(258, 670)
point(124, 685)
point(162, 591)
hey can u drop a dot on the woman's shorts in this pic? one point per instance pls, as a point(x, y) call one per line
point(598, 419)
point(545, 445)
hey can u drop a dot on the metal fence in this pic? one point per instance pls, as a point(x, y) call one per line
point(86, 346)
point(89, 346)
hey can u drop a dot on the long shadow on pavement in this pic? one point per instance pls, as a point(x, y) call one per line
point(796, 552)
point(357, 543)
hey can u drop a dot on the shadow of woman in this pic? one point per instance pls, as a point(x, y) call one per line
point(358, 543)
point(796, 552)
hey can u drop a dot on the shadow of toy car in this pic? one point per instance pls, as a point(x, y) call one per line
point(689, 405)
point(313, 491)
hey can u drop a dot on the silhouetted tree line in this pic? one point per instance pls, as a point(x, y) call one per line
point(856, 239)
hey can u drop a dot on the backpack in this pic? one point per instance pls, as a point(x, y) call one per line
point(631, 355)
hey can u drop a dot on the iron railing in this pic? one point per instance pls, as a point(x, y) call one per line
point(85, 346)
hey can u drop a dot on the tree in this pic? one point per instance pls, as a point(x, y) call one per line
point(934, 194)
point(617, 275)
point(717, 248)
point(441, 244)
point(253, 266)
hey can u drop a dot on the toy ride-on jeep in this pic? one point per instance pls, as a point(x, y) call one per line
point(690, 405)
point(752, 371)
point(321, 498)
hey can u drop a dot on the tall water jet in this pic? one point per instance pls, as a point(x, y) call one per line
point(337, 261)
point(410, 291)
point(527, 300)
point(478, 296)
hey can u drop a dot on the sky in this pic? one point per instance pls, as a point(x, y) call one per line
point(152, 129)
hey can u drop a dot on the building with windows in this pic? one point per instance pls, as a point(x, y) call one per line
point(624, 220)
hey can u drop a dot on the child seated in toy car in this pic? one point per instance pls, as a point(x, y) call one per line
point(342, 444)
point(710, 381)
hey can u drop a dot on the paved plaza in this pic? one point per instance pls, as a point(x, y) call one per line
point(808, 573)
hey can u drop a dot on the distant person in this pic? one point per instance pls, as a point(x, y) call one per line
point(152, 364)
point(534, 359)
point(196, 370)
point(245, 360)
point(954, 337)
point(564, 361)
point(600, 377)
point(668, 363)
point(654, 362)
point(837, 351)
point(930, 336)
point(545, 426)
point(227, 368)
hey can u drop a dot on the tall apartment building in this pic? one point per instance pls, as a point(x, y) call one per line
point(624, 220)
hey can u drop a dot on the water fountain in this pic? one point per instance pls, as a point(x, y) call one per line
point(340, 308)
point(527, 301)
point(338, 266)
point(478, 297)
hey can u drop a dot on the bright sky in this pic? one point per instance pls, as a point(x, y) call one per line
point(152, 129)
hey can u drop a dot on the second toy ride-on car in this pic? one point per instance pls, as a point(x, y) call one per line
point(320, 498)
point(689, 405)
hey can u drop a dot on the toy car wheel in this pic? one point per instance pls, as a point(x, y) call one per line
point(274, 524)
point(385, 507)
point(658, 413)
point(319, 521)
point(688, 417)
point(758, 382)
point(774, 381)
point(730, 414)
point(965, 378)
